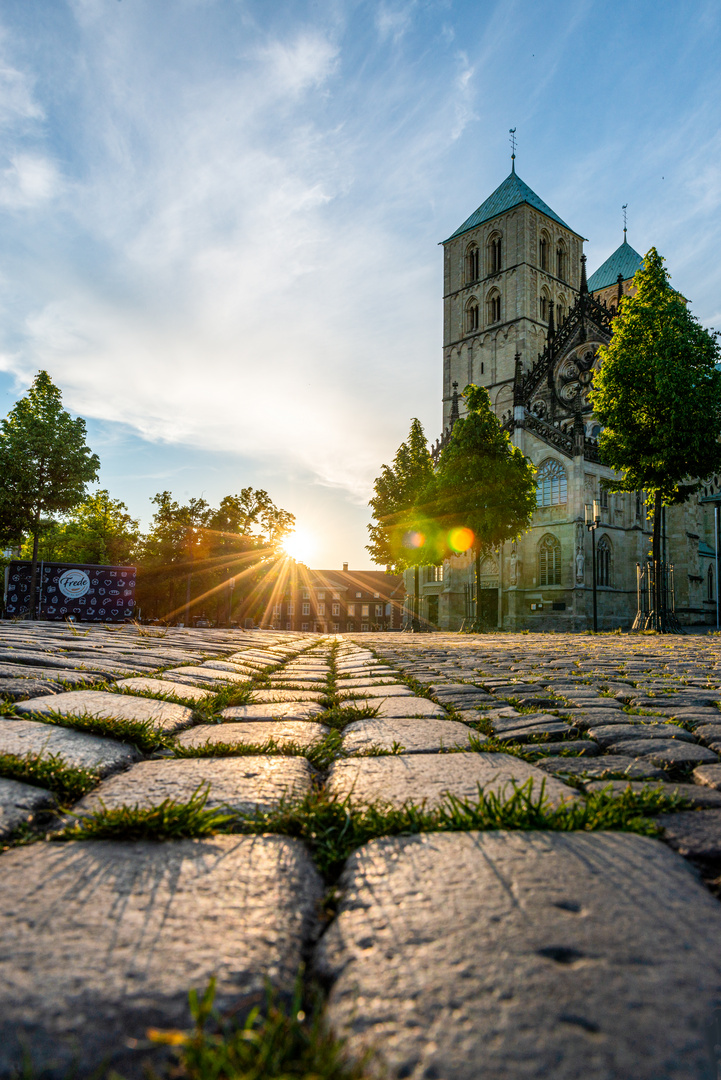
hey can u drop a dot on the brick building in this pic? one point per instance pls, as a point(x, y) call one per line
point(337, 601)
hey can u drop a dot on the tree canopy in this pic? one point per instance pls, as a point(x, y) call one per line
point(658, 392)
point(45, 464)
point(99, 530)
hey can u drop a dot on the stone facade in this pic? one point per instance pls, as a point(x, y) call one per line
point(520, 320)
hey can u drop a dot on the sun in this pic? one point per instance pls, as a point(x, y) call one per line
point(299, 545)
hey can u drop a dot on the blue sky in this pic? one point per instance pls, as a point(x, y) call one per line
point(220, 218)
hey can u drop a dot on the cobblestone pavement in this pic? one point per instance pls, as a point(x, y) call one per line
point(457, 952)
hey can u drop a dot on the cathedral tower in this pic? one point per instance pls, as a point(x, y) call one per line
point(509, 268)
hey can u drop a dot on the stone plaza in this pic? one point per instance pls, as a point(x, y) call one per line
point(454, 954)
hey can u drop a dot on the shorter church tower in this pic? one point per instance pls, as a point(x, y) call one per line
point(506, 269)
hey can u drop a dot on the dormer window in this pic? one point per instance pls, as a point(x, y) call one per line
point(471, 316)
point(472, 263)
point(494, 255)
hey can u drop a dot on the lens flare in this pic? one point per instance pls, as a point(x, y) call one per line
point(299, 545)
point(460, 539)
point(413, 539)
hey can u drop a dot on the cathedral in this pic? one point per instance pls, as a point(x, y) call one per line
point(522, 318)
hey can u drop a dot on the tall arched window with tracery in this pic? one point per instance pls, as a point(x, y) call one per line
point(495, 260)
point(471, 315)
point(543, 306)
point(543, 246)
point(561, 260)
point(472, 263)
point(560, 310)
point(551, 483)
point(549, 560)
point(603, 561)
point(493, 307)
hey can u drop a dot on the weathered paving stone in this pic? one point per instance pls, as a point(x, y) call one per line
point(242, 784)
point(164, 715)
point(54, 675)
point(164, 686)
point(100, 941)
point(205, 675)
point(610, 765)
point(695, 834)
point(607, 735)
point(270, 696)
point(284, 710)
point(524, 735)
point(19, 803)
point(390, 690)
point(356, 684)
point(708, 775)
point(696, 795)
point(662, 752)
point(430, 778)
point(304, 732)
point(424, 736)
point(403, 706)
point(585, 747)
point(17, 689)
point(534, 955)
point(22, 737)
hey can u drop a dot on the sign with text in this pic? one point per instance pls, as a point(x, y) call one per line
point(87, 593)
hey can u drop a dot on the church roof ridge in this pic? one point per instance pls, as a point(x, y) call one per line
point(624, 261)
point(512, 192)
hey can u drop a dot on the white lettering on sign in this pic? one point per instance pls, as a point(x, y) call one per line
point(74, 583)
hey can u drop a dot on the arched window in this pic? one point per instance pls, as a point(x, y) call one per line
point(543, 246)
point(549, 561)
point(710, 594)
point(551, 483)
point(561, 260)
point(560, 310)
point(543, 306)
point(493, 307)
point(494, 254)
point(471, 315)
point(603, 561)
point(471, 263)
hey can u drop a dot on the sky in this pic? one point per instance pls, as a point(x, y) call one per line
point(219, 219)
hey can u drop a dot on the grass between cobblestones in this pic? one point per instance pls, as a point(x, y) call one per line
point(278, 1042)
point(49, 771)
point(321, 754)
point(141, 733)
point(333, 827)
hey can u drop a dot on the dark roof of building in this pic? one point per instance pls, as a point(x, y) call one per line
point(512, 192)
point(368, 580)
point(624, 261)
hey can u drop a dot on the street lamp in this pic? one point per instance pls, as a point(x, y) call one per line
point(593, 520)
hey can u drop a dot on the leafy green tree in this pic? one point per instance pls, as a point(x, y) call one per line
point(194, 555)
point(100, 530)
point(658, 395)
point(45, 466)
point(483, 482)
point(403, 534)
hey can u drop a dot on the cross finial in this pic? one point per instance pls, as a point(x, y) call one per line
point(624, 208)
point(512, 133)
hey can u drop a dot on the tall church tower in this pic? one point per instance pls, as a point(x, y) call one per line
point(509, 268)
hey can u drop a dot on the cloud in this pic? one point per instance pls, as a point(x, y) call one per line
point(28, 181)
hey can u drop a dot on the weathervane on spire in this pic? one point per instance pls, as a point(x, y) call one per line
point(512, 140)
point(624, 208)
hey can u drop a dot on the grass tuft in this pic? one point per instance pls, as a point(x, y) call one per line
point(141, 733)
point(170, 820)
point(278, 1042)
point(339, 716)
point(49, 771)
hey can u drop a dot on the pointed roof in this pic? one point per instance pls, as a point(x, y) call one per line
point(512, 192)
point(624, 261)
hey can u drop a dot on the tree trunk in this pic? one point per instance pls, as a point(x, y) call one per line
point(656, 550)
point(34, 566)
point(416, 584)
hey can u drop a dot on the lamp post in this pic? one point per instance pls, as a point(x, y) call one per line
point(593, 520)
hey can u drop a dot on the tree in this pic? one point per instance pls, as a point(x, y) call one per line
point(403, 534)
point(45, 465)
point(483, 483)
point(99, 530)
point(658, 395)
